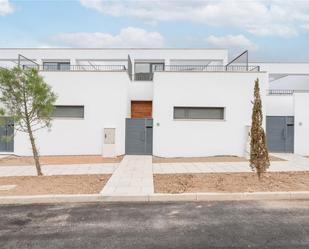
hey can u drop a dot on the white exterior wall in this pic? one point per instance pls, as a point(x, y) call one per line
point(291, 82)
point(277, 105)
point(234, 91)
point(141, 90)
point(284, 68)
point(301, 104)
point(104, 96)
point(107, 97)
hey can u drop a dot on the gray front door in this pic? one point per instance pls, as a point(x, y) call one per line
point(139, 136)
point(280, 133)
point(6, 135)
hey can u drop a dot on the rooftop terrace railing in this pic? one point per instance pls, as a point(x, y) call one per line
point(208, 68)
point(280, 92)
point(285, 92)
point(143, 76)
point(77, 68)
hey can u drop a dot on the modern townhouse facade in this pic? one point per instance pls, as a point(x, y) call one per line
point(287, 103)
point(162, 102)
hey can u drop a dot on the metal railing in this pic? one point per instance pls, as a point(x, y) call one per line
point(90, 68)
point(143, 76)
point(195, 68)
point(208, 68)
point(280, 92)
point(284, 92)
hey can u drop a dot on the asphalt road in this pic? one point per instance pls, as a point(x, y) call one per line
point(267, 224)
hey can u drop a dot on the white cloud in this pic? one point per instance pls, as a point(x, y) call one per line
point(5, 7)
point(127, 37)
point(259, 17)
point(231, 41)
point(305, 26)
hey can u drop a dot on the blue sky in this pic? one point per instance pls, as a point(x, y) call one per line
point(272, 30)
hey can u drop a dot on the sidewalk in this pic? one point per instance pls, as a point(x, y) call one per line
point(133, 176)
point(67, 169)
point(132, 180)
point(293, 163)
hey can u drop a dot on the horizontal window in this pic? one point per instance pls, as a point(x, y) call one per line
point(68, 111)
point(199, 113)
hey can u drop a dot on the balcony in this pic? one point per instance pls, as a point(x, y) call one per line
point(144, 70)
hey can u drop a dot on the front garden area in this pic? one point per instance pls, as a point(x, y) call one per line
point(52, 185)
point(231, 182)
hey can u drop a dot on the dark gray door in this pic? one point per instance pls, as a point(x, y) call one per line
point(138, 136)
point(6, 135)
point(280, 133)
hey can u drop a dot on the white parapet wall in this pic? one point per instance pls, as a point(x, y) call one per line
point(301, 104)
point(284, 68)
point(104, 97)
point(141, 90)
point(279, 105)
point(233, 91)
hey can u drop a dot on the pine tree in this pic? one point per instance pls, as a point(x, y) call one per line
point(28, 101)
point(259, 158)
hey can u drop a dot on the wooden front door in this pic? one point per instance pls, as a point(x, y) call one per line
point(141, 109)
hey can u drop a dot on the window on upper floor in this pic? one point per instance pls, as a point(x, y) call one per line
point(144, 70)
point(68, 111)
point(56, 66)
point(215, 113)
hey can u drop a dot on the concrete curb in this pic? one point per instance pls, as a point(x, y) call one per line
point(49, 199)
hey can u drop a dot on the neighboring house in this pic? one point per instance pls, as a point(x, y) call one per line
point(165, 102)
point(287, 107)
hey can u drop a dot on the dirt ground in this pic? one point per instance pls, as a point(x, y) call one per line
point(46, 185)
point(231, 182)
point(84, 159)
point(205, 159)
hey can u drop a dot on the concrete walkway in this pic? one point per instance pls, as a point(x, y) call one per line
point(293, 163)
point(67, 169)
point(132, 177)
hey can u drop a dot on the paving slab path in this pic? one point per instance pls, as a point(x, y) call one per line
point(65, 169)
point(132, 177)
point(293, 163)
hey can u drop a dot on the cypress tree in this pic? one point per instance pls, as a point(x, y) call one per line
point(259, 158)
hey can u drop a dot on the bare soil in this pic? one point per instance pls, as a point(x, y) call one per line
point(52, 185)
point(205, 159)
point(83, 159)
point(231, 182)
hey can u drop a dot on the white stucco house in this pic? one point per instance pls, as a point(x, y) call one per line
point(163, 102)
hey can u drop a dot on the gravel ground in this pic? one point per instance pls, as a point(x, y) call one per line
point(231, 182)
point(46, 185)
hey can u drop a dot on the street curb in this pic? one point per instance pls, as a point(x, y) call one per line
point(49, 199)
point(246, 196)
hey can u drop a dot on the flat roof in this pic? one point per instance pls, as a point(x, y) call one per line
point(62, 48)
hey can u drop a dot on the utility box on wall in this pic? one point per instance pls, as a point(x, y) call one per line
point(109, 142)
